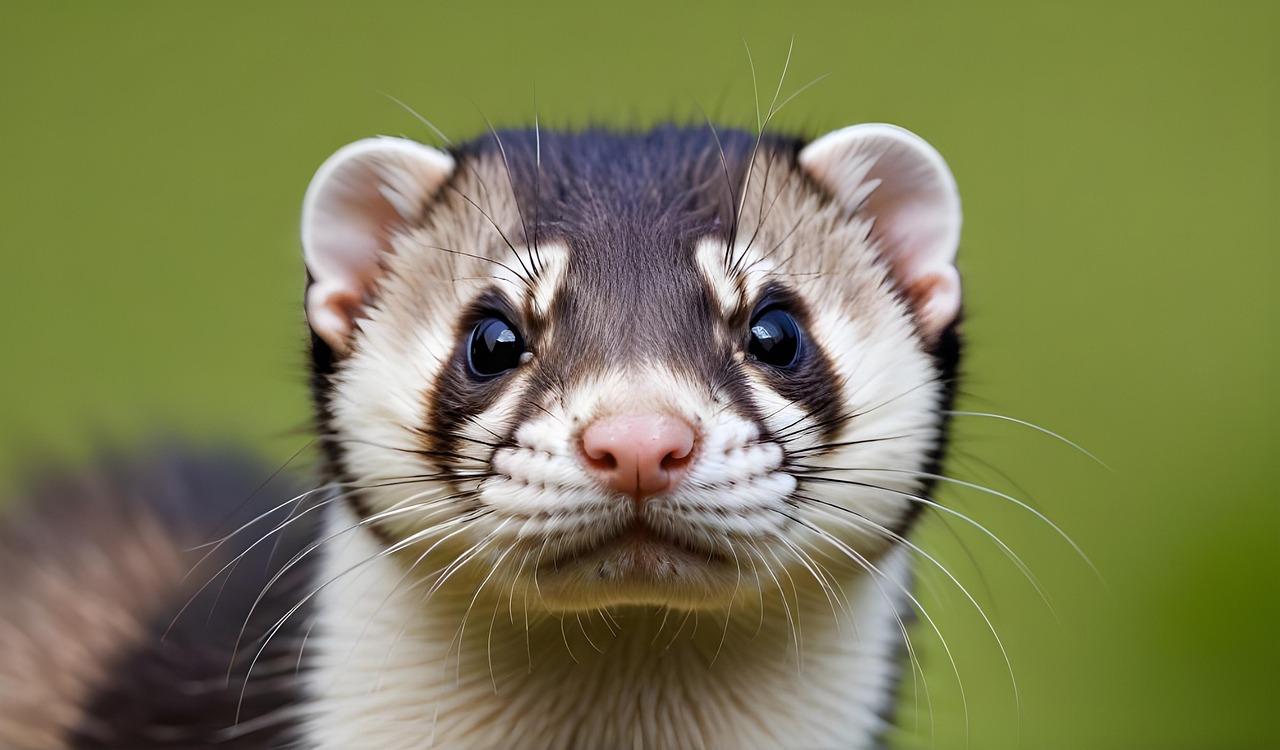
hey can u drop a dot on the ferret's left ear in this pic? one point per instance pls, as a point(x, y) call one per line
point(895, 179)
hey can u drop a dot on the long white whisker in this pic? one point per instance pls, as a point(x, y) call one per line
point(1015, 501)
point(412, 539)
point(917, 667)
point(1035, 427)
point(786, 607)
point(866, 564)
point(1005, 548)
point(854, 520)
point(419, 118)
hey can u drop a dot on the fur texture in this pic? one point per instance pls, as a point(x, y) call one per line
point(124, 624)
point(479, 599)
point(473, 584)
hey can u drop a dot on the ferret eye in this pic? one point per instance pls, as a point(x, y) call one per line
point(496, 347)
point(775, 338)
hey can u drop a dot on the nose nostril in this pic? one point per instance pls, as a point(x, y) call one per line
point(602, 462)
point(676, 460)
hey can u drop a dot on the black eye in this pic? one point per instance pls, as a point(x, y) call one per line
point(495, 348)
point(775, 338)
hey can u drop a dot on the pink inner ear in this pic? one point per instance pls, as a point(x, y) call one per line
point(899, 183)
point(348, 244)
point(355, 203)
point(936, 299)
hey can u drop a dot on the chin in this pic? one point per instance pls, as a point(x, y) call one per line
point(640, 571)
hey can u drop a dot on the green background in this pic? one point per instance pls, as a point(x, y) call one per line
point(1118, 164)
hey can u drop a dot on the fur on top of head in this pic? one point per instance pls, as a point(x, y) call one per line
point(482, 317)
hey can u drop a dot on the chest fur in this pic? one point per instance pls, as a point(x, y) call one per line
point(393, 668)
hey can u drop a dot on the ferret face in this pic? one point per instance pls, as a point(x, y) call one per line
point(673, 368)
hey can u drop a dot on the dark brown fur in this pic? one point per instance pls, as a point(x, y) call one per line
point(115, 635)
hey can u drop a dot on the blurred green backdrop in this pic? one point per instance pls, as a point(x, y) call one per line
point(1119, 168)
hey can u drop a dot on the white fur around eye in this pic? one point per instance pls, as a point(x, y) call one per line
point(493, 628)
point(737, 283)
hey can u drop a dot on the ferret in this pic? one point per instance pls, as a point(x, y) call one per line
point(622, 434)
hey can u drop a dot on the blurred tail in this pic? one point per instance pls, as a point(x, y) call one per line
point(113, 633)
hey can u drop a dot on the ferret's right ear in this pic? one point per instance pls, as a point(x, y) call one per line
point(359, 199)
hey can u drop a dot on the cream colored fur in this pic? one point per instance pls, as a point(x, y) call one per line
point(471, 624)
point(393, 671)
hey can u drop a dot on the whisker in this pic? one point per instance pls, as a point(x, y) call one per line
point(802, 89)
point(737, 583)
point(942, 478)
point(363, 522)
point(875, 572)
point(440, 577)
point(395, 589)
point(898, 538)
point(521, 275)
point(537, 180)
point(1013, 556)
point(825, 447)
point(462, 560)
point(728, 181)
point(439, 134)
point(276, 627)
point(786, 607)
point(532, 270)
point(823, 578)
point(755, 88)
point(1035, 427)
point(917, 667)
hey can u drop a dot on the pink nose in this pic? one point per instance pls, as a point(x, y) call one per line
point(639, 454)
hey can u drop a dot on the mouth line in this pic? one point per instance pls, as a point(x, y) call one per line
point(636, 539)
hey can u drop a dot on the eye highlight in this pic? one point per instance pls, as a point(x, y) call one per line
point(495, 348)
point(775, 338)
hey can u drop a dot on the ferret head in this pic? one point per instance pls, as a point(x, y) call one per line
point(650, 368)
